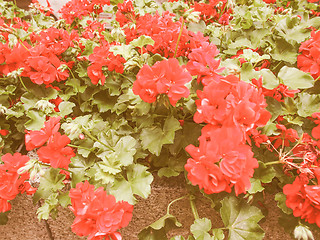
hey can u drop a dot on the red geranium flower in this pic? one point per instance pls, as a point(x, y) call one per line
point(35, 139)
point(98, 215)
point(56, 153)
point(166, 77)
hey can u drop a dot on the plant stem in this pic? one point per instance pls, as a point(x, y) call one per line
point(272, 163)
point(180, 33)
point(24, 86)
point(193, 207)
point(71, 72)
point(75, 146)
point(172, 202)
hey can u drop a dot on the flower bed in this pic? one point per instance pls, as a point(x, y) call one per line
point(224, 93)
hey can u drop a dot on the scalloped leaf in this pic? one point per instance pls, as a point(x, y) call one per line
point(241, 219)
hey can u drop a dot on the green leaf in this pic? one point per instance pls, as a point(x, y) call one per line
point(247, 72)
point(125, 149)
point(76, 85)
point(241, 219)
point(64, 199)
point(295, 78)
point(153, 138)
point(284, 51)
point(65, 108)
point(101, 172)
point(78, 167)
point(281, 202)
point(167, 172)
point(253, 57)
point(218, 234)
point(126, 51)
point(264, 173)
point(158, 229)
point(269, 80)
point(89, 46)
point(197, 27)
point(292, 34)
point(164, 221)
point(36, 121)
point(200, 229)
point(139, 181)
point(255, 186)
point(274, 107)
point(308, 104)
point(50, 204)
point(28, 100)
point(149, 234)
point(50, 182)
point(142, 41)
point(170, 126)
point(103, 101)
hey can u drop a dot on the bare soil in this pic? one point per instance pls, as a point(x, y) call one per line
point(24, 225)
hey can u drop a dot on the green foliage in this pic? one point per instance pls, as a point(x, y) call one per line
point(200, 229)
point(153, 138)
point(241, 219)
point(295, 78)
point(50, 183)
point(138, 182)
point(281, 202)
point(48, 207)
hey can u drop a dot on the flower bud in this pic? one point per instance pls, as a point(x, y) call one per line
point(3, 110)
point(15, 73)
point(45, 106)
point(302, 232)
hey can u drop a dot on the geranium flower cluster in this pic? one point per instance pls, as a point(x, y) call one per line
point(212, 11)
point(309, 60)
point(232, 109)
point(163, 30)
point(11, 59)
point(202, 63)
point(125, 13)
point(302, 196)
point(100, 58)
point(93, 30)
point(304, 199)
point(46, 10)
point(55, 152)
point(98, 215)
point(42, 62)
point(77, 9)
point(11, 182)
point(166, 77)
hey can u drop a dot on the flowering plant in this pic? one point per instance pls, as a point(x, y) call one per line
point(226, 92)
